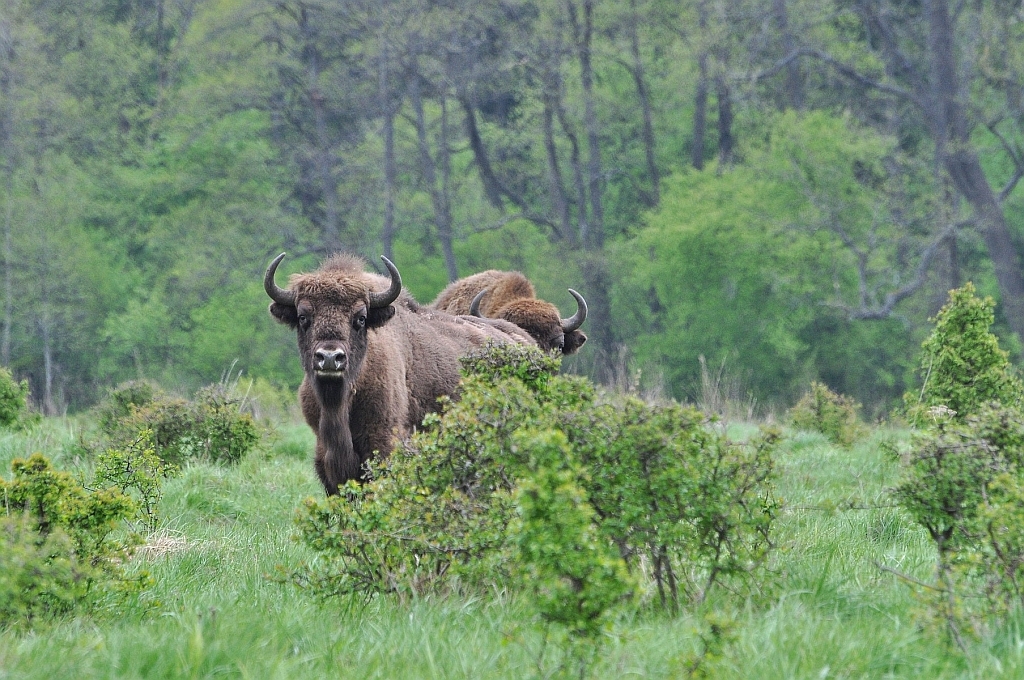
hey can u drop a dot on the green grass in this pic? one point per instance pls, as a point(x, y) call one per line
point(214, 613)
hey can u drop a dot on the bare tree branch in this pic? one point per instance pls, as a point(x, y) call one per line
point(1014, 154)
point(845, 70)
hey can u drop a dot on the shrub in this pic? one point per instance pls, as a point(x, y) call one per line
point(668, 487)
point(572, 572)
point(135, 470)
point(964, 483)
point(121, 400)
point(439, 511)
point(56, 547)
point(209, 427)
point(14, 410)
point(962, 478)
point(833, 415)
point(962, 366)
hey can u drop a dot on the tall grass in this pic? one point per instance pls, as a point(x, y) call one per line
point(213, 611)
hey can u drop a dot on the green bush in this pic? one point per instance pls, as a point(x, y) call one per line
point(962, 478)
point(962, 366)
point(573, 574)
point(57, 550)
point(833, 415)
point(135, 470)
point(669, 487)
point(440, 511)
point(13, 401)
point(209, 427)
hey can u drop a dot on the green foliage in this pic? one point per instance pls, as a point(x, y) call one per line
point(669, 487)
point(438, 508)
point(438, 513)
point(574, 573)
point(833, 415)
point(120, 401)
point(501, 362)
point(962, 366)
point(136, 471)
point(39, 576)
point(13, 401)
point(734, 262)
point(58, 550)
point(211, 426)
point(962, 481)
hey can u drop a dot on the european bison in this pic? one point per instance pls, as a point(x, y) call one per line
point(375, 360)
point(510, 296)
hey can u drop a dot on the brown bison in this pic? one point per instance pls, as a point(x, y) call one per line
point(375, 360)
point(510, 296)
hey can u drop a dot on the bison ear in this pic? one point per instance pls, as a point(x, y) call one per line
point(285, 314)
point(573, 341)
point(375, 318)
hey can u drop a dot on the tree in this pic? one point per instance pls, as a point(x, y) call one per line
point(929, 54)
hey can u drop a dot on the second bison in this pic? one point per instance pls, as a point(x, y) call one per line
point(510, 296)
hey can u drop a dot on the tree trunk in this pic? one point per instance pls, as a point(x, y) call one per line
point(599, 321)
point(951, 129)
point(594, 236)
point(700, 97)
point(322, 152)
point(559, 201)
point(726, 142)
point(965, 170)
point(49, 408)
point(5, 341)
point(390, 182)
point(647, 131)
point(794, 78)
point(438, 197)
point(492, 188)
point(576, 161)
point(7, 149)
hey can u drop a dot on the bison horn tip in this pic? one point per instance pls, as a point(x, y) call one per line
point(577, 319)
point(391, 294)
point(474, 306)
point(276, 293)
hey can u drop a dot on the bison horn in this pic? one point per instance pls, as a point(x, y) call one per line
point(577, 319)
point(277, 294)
point(474, 306)
point(391, 294)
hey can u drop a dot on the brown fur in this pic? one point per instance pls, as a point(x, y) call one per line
point(510, 296)
point(397, 365)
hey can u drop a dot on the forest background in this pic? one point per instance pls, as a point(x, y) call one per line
point(781, 190)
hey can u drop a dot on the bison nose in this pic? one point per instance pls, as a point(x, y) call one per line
point(330, 359)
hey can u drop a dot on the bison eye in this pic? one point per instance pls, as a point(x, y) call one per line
point(359, 321)
point(304, 321)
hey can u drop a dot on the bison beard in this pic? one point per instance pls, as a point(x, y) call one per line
point(375, 362)
point(510, 296)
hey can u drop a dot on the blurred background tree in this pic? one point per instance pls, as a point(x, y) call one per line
point(789, 187)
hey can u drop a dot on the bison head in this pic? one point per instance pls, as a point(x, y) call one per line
point(332, 309)
point(541, 320)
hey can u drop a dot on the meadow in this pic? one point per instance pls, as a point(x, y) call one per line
point(216, 610)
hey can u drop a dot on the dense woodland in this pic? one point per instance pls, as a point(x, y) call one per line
point(781, 190)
